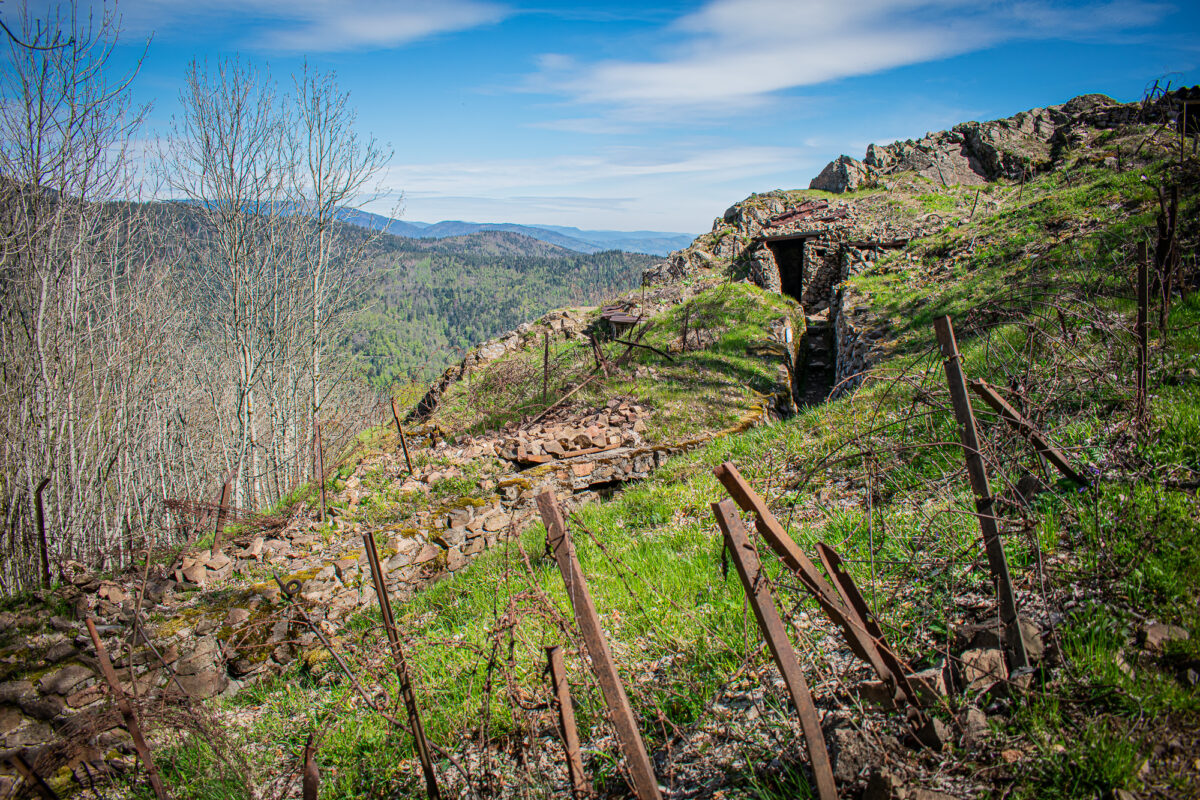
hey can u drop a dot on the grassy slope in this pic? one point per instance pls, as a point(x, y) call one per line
point(653, 556)
point(698, 390)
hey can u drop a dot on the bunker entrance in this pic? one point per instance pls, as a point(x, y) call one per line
point(789, 257)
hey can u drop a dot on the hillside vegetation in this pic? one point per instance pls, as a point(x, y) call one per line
point(1039, 278)
point(429, 300)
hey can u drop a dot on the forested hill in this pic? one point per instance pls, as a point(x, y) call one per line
point(427, 299)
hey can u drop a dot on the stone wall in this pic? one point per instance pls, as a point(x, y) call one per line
point(858, 337)
point(566, 323)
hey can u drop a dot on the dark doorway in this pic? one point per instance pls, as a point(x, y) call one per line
point(789, 257)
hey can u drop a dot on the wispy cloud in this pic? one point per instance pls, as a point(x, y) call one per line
point(316, 25)
point(510, 176)
point(664, 189)
point(732, 56)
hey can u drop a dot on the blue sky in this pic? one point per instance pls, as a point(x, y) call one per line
point(632, 115)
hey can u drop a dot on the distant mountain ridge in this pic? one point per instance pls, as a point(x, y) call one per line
point(659, 243)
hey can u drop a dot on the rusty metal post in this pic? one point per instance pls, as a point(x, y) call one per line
point(222, 512)
point(1143, 328)
point(43, 545)
point(320, 463)
point(645, 785)
point(127, 713)
point(798, 562)
point(403, 438)
point(580, 788)
point(601, 362)
point(1027, 429)
point(545, 366)
point(984, 508)
point(750, 571)
point(32, 778)
point(406, 689)
point(896, 672)
point(312, 773)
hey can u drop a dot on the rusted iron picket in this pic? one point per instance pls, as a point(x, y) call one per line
point(406, 689)
point(43, 545)
point(312, 773)
point(127, 713)
point(545, 366)
point(403, 438)
point(1018, 422)
point(1014, 645)
point(32, 779)
point(580, 788)
point(897, 670)
point(320, 445)
point(601, 361)
point(645, 785)
point(222, 511)
point(745, 559)
point(828, 598)
point(1143, 329)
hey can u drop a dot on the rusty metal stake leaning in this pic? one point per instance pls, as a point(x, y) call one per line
point(1028, 430)
point(1014, 645)
point(829, 599)
point(853, 598)
point(750, 571)
point(403, 438)
point(31, 777)
point(645, 785)
point(406, 690)
point(580, 788)
point(126, 709)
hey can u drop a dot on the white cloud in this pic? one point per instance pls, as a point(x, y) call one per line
point(618, 188)
point(315, 25)
point(733, 55)
point(617, 165)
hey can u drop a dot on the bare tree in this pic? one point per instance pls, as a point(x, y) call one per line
point(227, 155)
point(334, 168)
point(75, 356)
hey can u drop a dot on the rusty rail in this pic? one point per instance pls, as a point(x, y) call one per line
point(406, 689)
point(750, 571)
point(580, 788)
point(1018, 422)
point(127, 713)
point(645, 785)
point(1014, 645)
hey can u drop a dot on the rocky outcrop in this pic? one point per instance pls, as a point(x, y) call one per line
point(843, 174)
point(974, 153)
